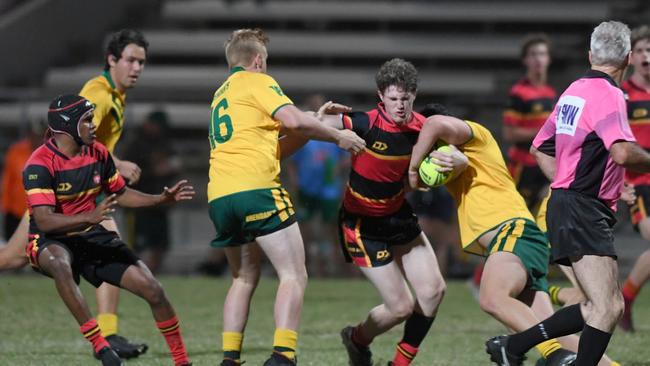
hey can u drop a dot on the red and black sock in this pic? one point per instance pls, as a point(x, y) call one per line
point(91, 331)
point(172, 332)
point(415, 329)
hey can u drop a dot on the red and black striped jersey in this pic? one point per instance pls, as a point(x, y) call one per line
point(528, 107)
point(69, 184)
point(638, 113)
point(376, 185)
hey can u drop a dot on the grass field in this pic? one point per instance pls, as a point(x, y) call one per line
point(36, 328)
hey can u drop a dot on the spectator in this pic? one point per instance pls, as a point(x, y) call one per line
point(13, 201)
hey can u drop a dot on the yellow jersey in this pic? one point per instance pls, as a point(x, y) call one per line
point(243, 134)
point(485, 194)
point(109, 108)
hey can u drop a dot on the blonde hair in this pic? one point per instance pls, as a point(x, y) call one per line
point(243, 45)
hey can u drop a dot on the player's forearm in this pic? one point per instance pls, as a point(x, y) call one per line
point(314, 129)
point(132, 198)
point(423, 146)
point(546, 163)
point(60, 223)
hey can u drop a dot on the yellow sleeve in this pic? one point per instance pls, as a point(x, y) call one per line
point(268, 94)
point(100, 98)
point(480, 135)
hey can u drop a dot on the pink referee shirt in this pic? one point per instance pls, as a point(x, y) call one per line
point(588, 118)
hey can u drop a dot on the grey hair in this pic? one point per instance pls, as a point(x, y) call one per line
point(610, 44)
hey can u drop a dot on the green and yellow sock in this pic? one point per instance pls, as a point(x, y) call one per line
point(107, 323)
point(285, 342)
point(232, 345)
point(554, 291)
point(548, 347)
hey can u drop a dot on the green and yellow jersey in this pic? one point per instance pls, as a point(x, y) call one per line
point(243, 134)
point(109, 108)
point(485, 193)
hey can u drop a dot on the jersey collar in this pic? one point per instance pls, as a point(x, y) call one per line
point(108, 77)
point(51, 144)
point(595, 74)
point(236, 69)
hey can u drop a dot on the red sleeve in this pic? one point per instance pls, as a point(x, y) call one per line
point(39, 185)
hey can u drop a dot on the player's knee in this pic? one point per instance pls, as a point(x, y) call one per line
point(403, 308)
point(59, 268)
point(488, 303)
point(610, 310)
point(432, 295)
point(247, 278)
point(298, 276)
point(153, 292)
point(616, 307)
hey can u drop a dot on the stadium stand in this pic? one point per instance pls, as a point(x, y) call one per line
point(467, 53)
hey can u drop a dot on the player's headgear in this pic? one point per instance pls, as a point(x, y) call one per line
point(65, 113)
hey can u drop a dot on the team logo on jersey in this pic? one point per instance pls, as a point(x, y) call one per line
point(639, 113)
point(96, 178)
point(277, 90)
point(538, 107)
point(63, 187)
point(379, 146)
point(569, 109)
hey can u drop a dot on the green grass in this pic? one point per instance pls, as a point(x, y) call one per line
point(36, 328)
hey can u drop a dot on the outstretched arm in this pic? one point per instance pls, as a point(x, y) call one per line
point(181, 191)
point(328, 113)
point(309, 126)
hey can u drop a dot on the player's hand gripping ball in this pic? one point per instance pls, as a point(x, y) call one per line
point(429, 170)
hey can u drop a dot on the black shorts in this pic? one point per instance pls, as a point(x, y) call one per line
point(98, 255)
point(531, 183)
point(639, 210)
point(578, 225)
point(368, 241)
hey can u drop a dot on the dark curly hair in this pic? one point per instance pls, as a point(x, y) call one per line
point(118, 42)
point(399, 73)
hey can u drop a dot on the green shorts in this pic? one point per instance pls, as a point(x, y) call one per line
point(241, 217)
point(524, 239)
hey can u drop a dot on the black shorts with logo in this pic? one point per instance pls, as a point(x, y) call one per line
point(98, 255)
point(578, 225)
point(368, 241)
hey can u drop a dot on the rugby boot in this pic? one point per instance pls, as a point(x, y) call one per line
point(561, 357)
point(357, 355)
point(124, 348)
point(109, 357)
point(278, 359)
point(496, 348)
point(230, 362)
